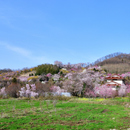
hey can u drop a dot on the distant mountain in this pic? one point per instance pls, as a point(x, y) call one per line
point(115, 63)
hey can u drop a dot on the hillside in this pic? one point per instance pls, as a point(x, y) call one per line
point(115, 63)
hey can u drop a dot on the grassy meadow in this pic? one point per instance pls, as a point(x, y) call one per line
point(76, 113)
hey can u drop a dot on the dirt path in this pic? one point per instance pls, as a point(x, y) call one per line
point(27, 74)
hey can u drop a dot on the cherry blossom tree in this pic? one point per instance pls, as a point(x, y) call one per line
point(28, 91)
point(56, 77)
point(57, 90)
point(127, 89)
point(58, 63)
point(2, 92)
point(104, 91)
point(122, 90)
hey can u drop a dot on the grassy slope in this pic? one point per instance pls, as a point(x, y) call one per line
point(74, 114)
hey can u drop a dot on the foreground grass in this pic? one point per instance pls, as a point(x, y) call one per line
point(82, 114)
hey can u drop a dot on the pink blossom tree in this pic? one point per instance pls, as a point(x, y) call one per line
point(28, 91)
point(2, 92)
point(104, 91)
point(56, 77)
point(122, 90)
point(57, 90)
point(58, 63)
point(127, 89)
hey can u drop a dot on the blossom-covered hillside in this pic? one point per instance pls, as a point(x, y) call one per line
point(75, 80)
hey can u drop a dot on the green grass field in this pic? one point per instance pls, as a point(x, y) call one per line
point(81, 114)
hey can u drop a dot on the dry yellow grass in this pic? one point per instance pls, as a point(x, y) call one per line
point(117, 68)
point(27, 74)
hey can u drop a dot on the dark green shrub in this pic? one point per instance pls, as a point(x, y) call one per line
point(31, 74)
point(14, 80)
point(44, 78)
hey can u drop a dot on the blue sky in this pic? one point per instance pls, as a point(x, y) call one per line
point(34, 32)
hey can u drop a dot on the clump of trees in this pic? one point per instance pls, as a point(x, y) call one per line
point(47, 68)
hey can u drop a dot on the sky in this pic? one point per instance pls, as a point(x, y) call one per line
point(34, 32)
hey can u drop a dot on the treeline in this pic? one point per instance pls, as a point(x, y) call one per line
point(69, 65)
point(115, 58)
point(5, 70)
point(102, 59)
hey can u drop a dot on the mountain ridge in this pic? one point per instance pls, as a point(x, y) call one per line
point(115, 63)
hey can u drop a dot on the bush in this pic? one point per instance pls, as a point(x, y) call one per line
point(31, 74)
point(43, 78)
point(14, 80)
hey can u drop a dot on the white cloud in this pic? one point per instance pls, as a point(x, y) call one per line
point(24, 52)
point(19, 50)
